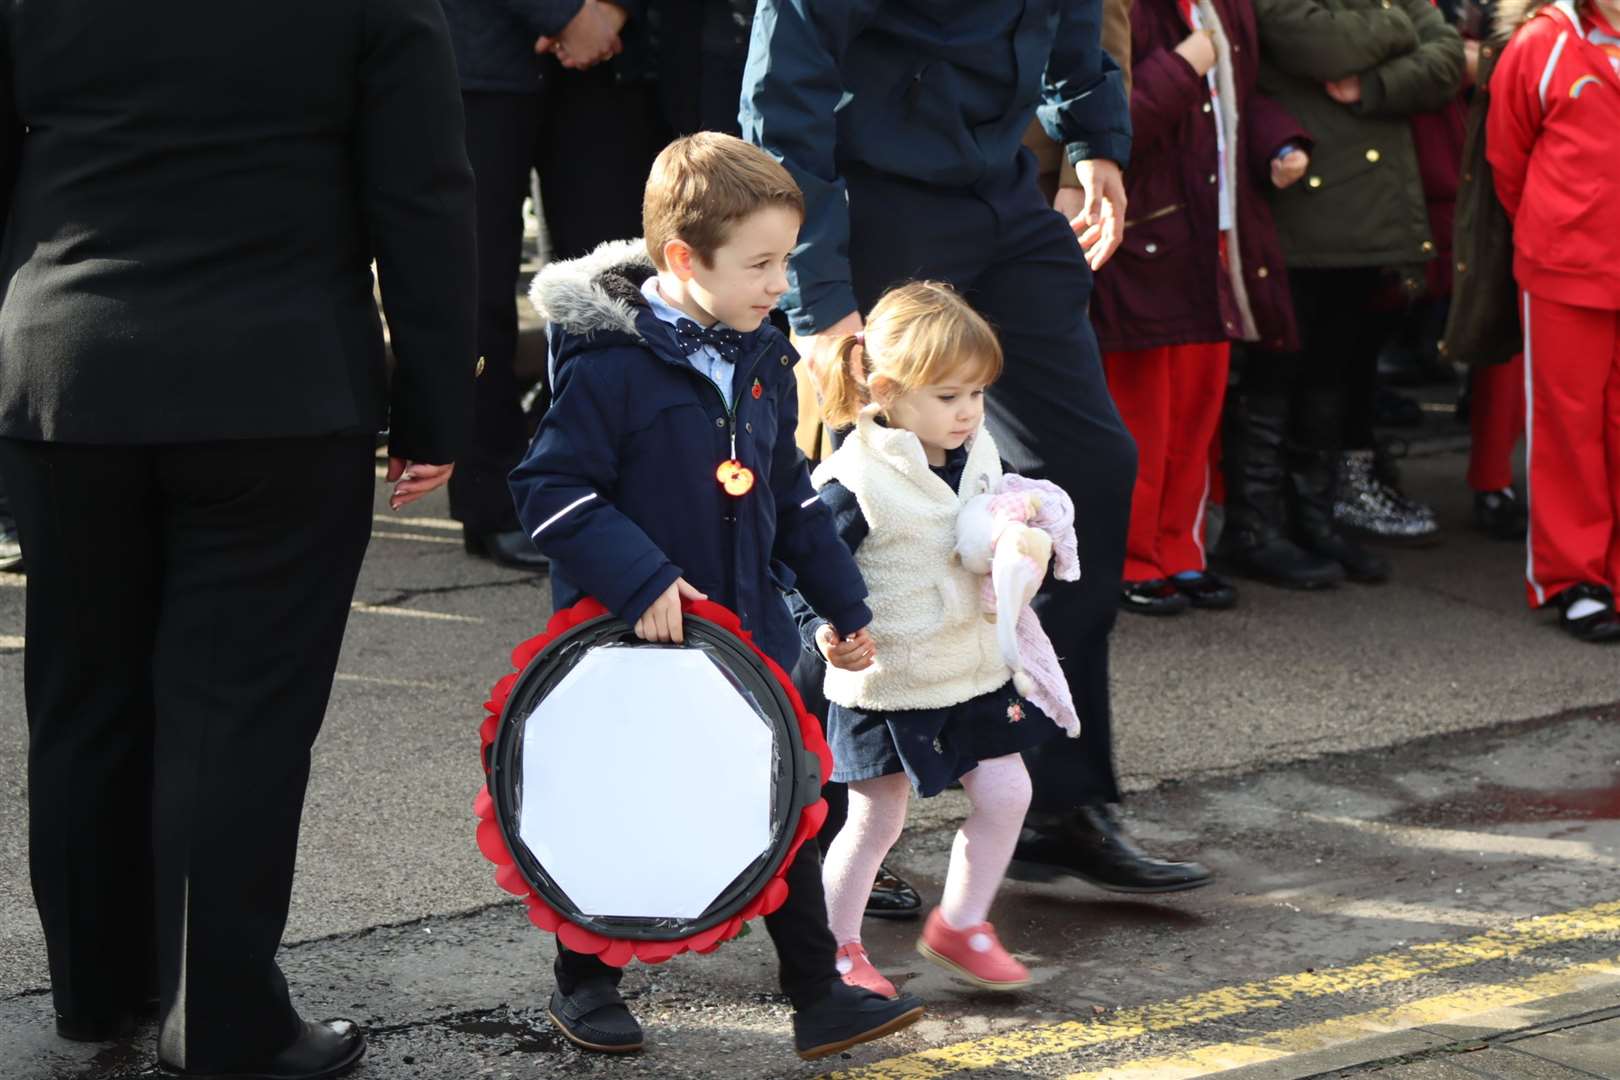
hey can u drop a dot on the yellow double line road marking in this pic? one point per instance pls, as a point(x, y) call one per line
point(1413, 962)
point(1441, 1009)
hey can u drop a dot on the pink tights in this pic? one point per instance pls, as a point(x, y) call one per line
point(999, 790)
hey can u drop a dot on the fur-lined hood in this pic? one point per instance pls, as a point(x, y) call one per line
point(596, 292)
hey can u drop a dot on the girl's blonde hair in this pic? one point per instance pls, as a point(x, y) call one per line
point(920, 334)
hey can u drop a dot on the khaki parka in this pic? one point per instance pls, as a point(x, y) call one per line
point(1361, 203)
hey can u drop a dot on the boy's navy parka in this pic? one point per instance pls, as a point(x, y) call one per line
point(618, 488)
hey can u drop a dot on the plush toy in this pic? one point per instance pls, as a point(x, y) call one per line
point(1012, 535)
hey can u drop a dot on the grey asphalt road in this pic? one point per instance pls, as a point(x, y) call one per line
point(411, 934)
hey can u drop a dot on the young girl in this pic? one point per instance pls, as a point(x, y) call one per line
point(922, 698)
point(1549, 137)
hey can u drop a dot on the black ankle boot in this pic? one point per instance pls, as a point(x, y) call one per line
point(1313, 475)
point(1253, 543)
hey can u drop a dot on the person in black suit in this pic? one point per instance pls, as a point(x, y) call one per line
point(192, 378)
point(543, 82)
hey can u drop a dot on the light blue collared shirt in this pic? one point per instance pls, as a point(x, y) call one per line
point(706, 360)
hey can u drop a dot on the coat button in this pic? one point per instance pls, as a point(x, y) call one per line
point(1428, 246)
point(1315, 181)
point(1213, 178)
point(1151, 249)
point(1469, 176)
point(785, 360)
point(719, 421)
point(1462, 267)
point(1207, 106)
point(1262, 272)
point(749, 427)
point(479, 370)
point(1373, 156)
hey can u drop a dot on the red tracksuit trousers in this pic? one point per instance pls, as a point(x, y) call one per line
point(1572, 440)
point(1496, 420)
point(1170, 398)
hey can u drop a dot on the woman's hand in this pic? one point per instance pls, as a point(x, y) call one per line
point(854, 653)
point(414, 479)
point(1198, 49)
point(662, 621)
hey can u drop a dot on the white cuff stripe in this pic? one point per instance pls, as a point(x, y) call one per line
point(811, 501)
point(564, 512)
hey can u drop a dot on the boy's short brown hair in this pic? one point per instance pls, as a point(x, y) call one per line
point(702, 185)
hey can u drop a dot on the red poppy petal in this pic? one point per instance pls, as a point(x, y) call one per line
point(581, 940)
point(543, 917)
point(774, 896)
point(656, 952)
point(483, 805)
point(492, 843)
point(510, 878)
point(618, 953)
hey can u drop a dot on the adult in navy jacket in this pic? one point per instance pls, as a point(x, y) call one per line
point(902, 123)
point(620, 493)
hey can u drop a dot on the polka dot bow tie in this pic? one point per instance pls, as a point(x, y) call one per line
point(722, 339)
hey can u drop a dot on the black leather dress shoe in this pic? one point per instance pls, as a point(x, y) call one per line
point(595, 1017)
point(1092, 845)
point(849, 1016)
point(323, 1050)
point(1208, 591)
point(1156, 597)
point(892, 897)
point(513, 549)
point(1596, 628)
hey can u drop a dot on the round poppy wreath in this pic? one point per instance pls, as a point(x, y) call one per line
point(620, 951)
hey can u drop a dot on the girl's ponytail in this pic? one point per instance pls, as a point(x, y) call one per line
point(843, 382)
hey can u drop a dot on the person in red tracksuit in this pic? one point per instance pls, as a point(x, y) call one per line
point(1551, 141)
point(1200, 267)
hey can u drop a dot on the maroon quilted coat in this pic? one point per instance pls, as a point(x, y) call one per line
point(1166, 284)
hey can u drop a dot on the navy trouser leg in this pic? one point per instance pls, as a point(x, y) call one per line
point(1017, 262)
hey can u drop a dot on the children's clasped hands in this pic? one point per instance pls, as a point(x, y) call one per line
point(853, 653)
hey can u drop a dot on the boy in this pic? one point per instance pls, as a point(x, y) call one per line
point(666, 470)
point(1550, 139)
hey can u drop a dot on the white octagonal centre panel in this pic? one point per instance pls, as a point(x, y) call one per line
point(646, 785)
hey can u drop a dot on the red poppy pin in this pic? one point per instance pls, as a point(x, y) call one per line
point(759, 390)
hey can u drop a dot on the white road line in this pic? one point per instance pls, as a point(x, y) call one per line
point(1479, 843)
point(11, 641)
point(378, 680)
point(410, 613)
point(420, 538)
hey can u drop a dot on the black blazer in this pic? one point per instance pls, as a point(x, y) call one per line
point(197, 189)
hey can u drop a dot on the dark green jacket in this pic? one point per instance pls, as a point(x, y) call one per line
point(1361, 203)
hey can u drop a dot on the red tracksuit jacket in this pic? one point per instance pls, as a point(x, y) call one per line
point(1553, 140)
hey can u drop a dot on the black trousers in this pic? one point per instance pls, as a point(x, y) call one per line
point(1329, 385)
point(804, 945)
point(185, 609)
point(1016, 260)
point(592, 140)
